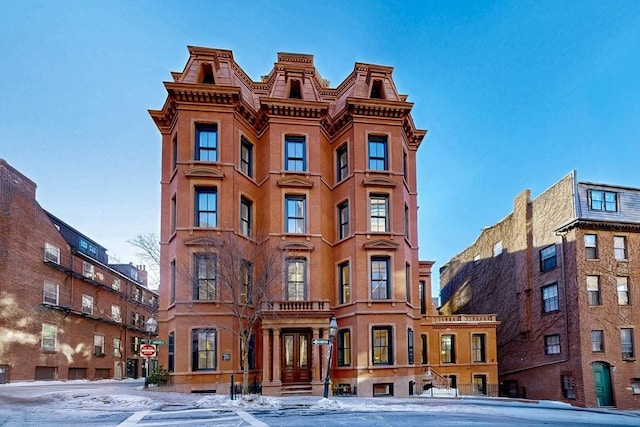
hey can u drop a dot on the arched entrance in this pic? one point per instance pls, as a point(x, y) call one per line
point(602, 383)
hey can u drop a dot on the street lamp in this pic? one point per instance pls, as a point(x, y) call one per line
point(151, 327)
point(333, 329)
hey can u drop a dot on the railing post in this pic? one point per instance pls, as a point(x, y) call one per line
point(231, 388)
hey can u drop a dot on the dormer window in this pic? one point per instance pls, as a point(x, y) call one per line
point(206, 74)
point(376, 90)
point(294, 90)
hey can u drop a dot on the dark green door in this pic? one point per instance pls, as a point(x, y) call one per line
point(602, 383)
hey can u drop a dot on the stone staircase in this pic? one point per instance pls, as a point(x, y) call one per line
point(296, 390)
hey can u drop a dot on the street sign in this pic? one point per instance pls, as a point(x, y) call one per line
point(158, 342)
point(320, 341)
point(148, 350)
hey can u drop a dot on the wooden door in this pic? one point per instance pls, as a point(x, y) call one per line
point(602, 383)
point(296, 357)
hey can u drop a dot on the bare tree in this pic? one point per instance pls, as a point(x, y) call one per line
point(149, 245)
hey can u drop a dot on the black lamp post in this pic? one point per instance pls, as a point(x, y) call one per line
point(151, 327)
point(333, 329)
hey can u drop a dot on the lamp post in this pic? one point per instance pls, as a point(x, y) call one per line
point(151, 327)
point(333, 329)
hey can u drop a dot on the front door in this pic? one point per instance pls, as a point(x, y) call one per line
point(602, 383)
point(296, 357)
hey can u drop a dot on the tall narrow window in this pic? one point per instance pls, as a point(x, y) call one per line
point(296, 279)
point(295, 154)
point(206, 74)
point(344, 278)
point(623, 290)
point(342, 163)
point(50, 293)
point(116, 315)
point(568, 386)
point(98, 345)
point(294, 90)
point(117, 347)
point(376, 90)
point(602, 200)
point(550, 298)
point(407, 281)
point(378, 155)
point(423, 298)
point(296, 213)
point(548, 260)
point(380, 286)
point(591, 246)
point(620, 247)
point(206, 204)
point(404, 165)
point(246, 277)
point(344, 347)
point(174, 213)
point(478, 348)
point(171, 348)
point(381, 342)
point(174, 153)
point(425, 358)
point(447, 349)
point(205, 285)
point(597, 341)
point(626, 341)
point(172, 292)
point(251, 353)
point(49, 337)
point(378, 213)
point(343, 220)
point(246, 208)
point(203, 347)
point(87, 304)
point(552, 344)
point(593, 290)
point(410, 347)
point(246, 157)
point(406, 221)
point(207, 143)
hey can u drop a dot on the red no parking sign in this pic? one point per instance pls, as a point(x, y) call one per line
point(148, 350)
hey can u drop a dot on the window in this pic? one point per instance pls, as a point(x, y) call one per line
point(251, 353)
point(597, 341)
point(623, 290)
point(407, 281)
point(344, 347)
point(294, 90)
point(171, 349)
point(423, 340)
point(382, 389)
point(88, 248)
point(203, 349)
point(342, 163)
point(593, 290)
point(115, 285)
point(404, 165)
point(87, 304)
point(422, 296)
point(172, 291)
point(296, 279)
point(406, 221)
point(206, 207)
point(380, 286)
point(344, 279)
point(88, 270)
point(626, 341)
point(378, 213)
point(620, 247)
point(49, 337)
point(174, 153)
point(552, 344)
point(246, 157)
point(381, 341)
point(115, 313)
point(378, 159)
point(602, 200)
point(295, 154)
point(98, 345)
point(207, 143)
point(447, 349)
point(635, 386)
point(135, 344)
point(410, 347)
point(548, 259)
point(50, 293)
point(137, 319)
point(205, 286)
point(246, 208)
point(117, 347)
point(376, 90)
point(497, 248)
point(591, 246)
point(51, 253)
point(479, 384)
point(296, 213)
point(343, 220)
point(174, 213)
point(568, 386)
point(550, 298)
point(246, 274)
point(206, 74)
point(478, 348)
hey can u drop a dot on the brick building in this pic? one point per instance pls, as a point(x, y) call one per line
point(562, 272)
point(65, 312)
point(324, 178)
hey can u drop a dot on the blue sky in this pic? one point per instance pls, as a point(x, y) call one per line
point(515, 94)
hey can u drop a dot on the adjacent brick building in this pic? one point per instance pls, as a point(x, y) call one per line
point(65, 312)
point(326, 177)
point(562, 272)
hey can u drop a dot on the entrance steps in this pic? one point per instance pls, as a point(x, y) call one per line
point(296, 390)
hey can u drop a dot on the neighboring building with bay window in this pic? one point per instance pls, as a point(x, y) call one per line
point(562, 272)
point(327, 177)
point(65, 312)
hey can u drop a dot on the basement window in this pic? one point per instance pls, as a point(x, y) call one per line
point(295, 91)
point(206, 74)
point(383, 389)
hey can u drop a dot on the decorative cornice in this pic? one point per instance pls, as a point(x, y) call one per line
point(200, 241)
point(294, 108)
point(295, 181)
point(296, 246)
point(203, 171)
point(378, 181)
point(378, 108)
point(381, 244)
point(203, 93)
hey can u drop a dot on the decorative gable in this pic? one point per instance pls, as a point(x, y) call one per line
point(378, 181)
point(381, 244)
point(296, 246)
point(295, 181)
point(204, 172)
point(203, 241)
